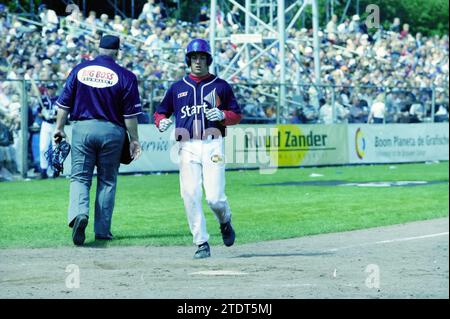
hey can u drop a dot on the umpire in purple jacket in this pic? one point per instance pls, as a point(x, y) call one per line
point(103, 101)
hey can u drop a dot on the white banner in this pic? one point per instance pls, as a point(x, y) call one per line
point(396, 143)
point(159, 151)
point(246, 38)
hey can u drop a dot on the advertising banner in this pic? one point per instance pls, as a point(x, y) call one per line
point(268, 147)
point(396, 143)
point(271, 146)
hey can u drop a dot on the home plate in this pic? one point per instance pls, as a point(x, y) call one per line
point(219, 273)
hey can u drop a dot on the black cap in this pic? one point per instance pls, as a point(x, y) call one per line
point(110, 42)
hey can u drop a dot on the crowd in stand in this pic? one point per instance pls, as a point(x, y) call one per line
point(154, 46)
point(391, 74)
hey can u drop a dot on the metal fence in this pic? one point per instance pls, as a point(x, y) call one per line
point(260, 104)
point(304, 104)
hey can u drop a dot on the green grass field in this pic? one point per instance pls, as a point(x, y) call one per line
point(149, 210)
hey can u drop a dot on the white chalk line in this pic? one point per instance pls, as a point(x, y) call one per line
point(392, 241)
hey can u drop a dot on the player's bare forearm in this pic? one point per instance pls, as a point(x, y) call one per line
point(61, 119)
point(132, 127)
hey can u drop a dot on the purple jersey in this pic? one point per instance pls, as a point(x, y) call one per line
point(101, 89)
point(188, 100)
point(48, 108)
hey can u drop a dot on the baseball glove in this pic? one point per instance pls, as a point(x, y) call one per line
point(57, 155)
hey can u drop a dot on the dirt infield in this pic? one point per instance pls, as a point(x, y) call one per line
point(401, 261)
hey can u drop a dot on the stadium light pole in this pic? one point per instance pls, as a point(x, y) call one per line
point(84, 8)
point(24, 131)
point(345, 11)
point(31, 8)
point(316, 42)
point(282, 59)
point(247, 31)
point(212, 35)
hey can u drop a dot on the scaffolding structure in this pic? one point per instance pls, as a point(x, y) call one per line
point(270, 29)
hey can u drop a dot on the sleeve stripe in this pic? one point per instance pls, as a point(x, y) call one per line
point(131, 115)
point(62, 106)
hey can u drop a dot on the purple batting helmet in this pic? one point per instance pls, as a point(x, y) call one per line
point(198, 45)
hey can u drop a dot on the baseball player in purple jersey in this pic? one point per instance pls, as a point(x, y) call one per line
point(103, 101)
point(203, 105)
point(47, 112)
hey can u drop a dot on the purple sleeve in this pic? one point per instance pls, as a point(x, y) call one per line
point(229, 101)
point(166, 105)
point(131, 101)
point(66, 99)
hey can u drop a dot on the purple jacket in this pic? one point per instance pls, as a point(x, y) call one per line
point(101, 89)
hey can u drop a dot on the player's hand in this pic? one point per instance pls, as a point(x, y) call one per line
point(45, 114)
point(135, 149)
point(214, 114)
point(164, 124)
point(58, 136)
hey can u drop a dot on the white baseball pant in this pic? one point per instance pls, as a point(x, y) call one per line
point(203, 162)
point(45, 141)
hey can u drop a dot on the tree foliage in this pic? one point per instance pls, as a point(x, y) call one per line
point(426, 16)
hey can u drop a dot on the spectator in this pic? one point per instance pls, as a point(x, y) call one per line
point(326, 112)
point(148, 11)
point(417, 113)
point(377, 110)
point(234, 19)
point(354, 24)
point(308, 114)
point(104, 22)
point(73, 22)
point(91, 21)
point(405, 31)
point(159, 15)
point(359, 110)
point(441, 106)
point(48, 18)
point(135, 28)
point(118, 25)
point(203, 18)
point(418, 41)
point(395, 26)
point(220, 22)
point(271, 114)
point(343, 28)
point(332, 25)
point(295, 116)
